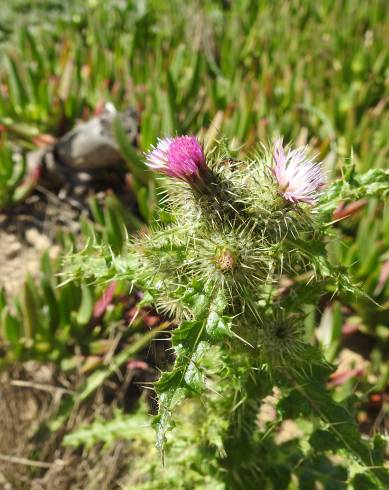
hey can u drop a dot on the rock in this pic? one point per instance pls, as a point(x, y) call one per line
point(92, 145)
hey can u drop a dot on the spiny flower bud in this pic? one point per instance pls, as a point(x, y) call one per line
point(230, 259)
point(281, 338)
point(299, 178)
point(181, 157)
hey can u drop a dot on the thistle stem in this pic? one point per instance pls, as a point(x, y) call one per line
point(239, 441)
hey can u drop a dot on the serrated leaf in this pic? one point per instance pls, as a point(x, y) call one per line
point(380, 445)
point(373, 183)
point(120, 427)
point(293, 405)
point(324, 440)
point(191, 339)
point(361, 481)
point(320, 470)
point(336, 417)
point(218, 327)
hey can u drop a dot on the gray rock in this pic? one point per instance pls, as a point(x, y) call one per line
point(92, 145)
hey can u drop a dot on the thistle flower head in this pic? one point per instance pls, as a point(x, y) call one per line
point(181, 157)
point(299, 177)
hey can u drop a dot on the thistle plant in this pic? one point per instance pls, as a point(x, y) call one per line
point(229, 233)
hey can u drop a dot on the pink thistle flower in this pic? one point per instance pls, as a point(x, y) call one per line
point(181, 157)
point(299, 177)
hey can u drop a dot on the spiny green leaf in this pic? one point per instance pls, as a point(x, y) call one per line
point(293, 405)
point(324, 440)
point(361, 481)
point(320, 470)
point(337, 419)
point(373, 183)
point(120, 426)
point(191, 339)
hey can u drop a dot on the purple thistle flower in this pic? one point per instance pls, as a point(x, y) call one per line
point(181, 157)
point(299, 177)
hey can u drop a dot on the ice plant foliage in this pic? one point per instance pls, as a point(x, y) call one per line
point(215, 267)
point(299, 177)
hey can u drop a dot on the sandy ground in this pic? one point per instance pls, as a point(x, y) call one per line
point(26, 232)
